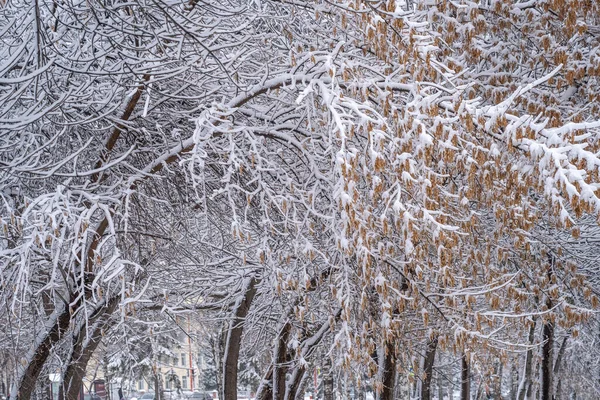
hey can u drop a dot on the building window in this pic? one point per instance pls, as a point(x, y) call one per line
point(141, 385)
point(175, 361)
point(167, 382)
point(183, 359)
point(184, 382)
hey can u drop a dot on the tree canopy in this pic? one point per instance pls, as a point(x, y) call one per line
point(367, 183)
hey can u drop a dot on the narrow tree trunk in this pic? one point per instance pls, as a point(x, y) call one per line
point(302, 386)
point(157, 387)
point(106, 373)
point(557, 395)
point(547, 347)
point(218, 352)
point(295, 388)
point(440, 386)
point(327, 379)
point(525, 384)
point(234, 338)
point(265, 388)
point(57, 327)
point(85, 343)
point(25, 386)
point(279, 367)
point(557, 367)
point(513, 390)
point(533, 384)
point(465, 381)
point(388, 372)
point(428, 368)
point(294, 383)
point(548, 344)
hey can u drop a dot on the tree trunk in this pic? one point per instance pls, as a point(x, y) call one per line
point(428, 368)
point(293, 385)
point(327, 379)
point(388, 372)
point(525, 384)
point(265, 388)
point(57, 327)
point(294, 382)
point(465, 381)
point(218, 348)
point(295, 388)
point(557, 366)
point(513, 390)
point(548, 338)
point(25, 385)
point(234, 338)
point(440, 386)
point(85, 343)
point(279, 367)
point(157, 387)
point(302, 386)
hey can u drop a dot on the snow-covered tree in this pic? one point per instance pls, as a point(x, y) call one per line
point(368, 182)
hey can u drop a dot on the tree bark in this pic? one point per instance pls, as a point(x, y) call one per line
point(294, 383)
point(25, 386)
point(84, 346)
point(525, 384)
point(292, 390)
point(513, 390)
point(234, 338)
point(300, 389)
point(428, 368)
point(557, 367)
point(279, 367)
point(465, 380)
point(308, 345)
point(112, 139)
point(327, 379)
point(27, 381)
point(388, 372)
point(157, 387)
point(547, 347)
point(265, 388)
